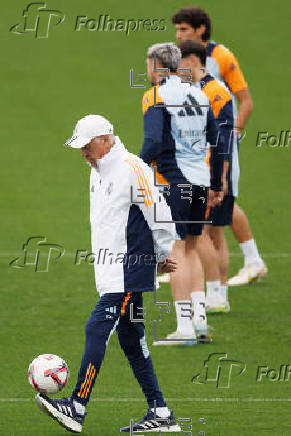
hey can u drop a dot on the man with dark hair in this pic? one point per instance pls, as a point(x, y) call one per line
point(195, 24)
point(213, 239)
point(191, 47)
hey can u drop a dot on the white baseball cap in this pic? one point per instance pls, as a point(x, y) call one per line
point(88, 128)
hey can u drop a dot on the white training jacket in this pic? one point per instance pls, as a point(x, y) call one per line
point(131, 223)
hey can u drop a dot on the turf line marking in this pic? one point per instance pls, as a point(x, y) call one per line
point(180, 400)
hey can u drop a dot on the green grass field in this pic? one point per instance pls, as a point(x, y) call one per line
point(49, 83)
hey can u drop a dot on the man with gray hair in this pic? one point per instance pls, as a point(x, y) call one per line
point(168, 54)
point(178, 124)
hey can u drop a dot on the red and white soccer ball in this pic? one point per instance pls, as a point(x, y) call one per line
point(48, 373)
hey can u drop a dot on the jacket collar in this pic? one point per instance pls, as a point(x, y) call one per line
point(116, 152)
point(173, 78)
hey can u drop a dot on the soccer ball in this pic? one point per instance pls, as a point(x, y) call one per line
point(48, 373)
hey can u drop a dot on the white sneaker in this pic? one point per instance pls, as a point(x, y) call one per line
point(215, 306)
point(164, 278)
point(177, 338)
point(248, 274)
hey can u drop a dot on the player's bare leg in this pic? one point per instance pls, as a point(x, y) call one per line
point(180, 280)
point(217, 236)
point(209, 260)
point(187, 290)
point(213, 251)
point(181, 284)
point(240, 225)
point(254, 267)
point(220, 245)
point(197, 292)
point(208, 257)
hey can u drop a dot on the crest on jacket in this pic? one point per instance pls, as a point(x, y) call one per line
point(109, 189)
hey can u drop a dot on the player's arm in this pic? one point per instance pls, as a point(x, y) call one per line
point(153, 133)
point(245, 108)
point(224, 177)
point(235, 81)
point(226, 129)
point(217, 144)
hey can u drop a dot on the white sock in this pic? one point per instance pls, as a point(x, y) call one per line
point(250, 251)
point(224, 292)
point(184, 321)
point(80, 409)
point(213, 289)
point(198, 301)
point(162, 412)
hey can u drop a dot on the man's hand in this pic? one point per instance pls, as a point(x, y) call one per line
point(170, 265)
point(215, 198)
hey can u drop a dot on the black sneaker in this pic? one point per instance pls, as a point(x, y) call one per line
point(150, 422)
point(63, 411)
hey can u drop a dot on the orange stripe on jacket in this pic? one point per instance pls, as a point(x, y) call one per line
point(145, 183)
point(142, 181)
point(141, 187)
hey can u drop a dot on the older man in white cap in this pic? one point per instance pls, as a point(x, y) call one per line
point(123, 211)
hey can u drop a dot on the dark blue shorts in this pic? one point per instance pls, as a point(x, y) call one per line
point(222, 215)
point(188, 206)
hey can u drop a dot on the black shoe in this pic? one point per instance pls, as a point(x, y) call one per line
point(63, 411)
point(150, 422)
